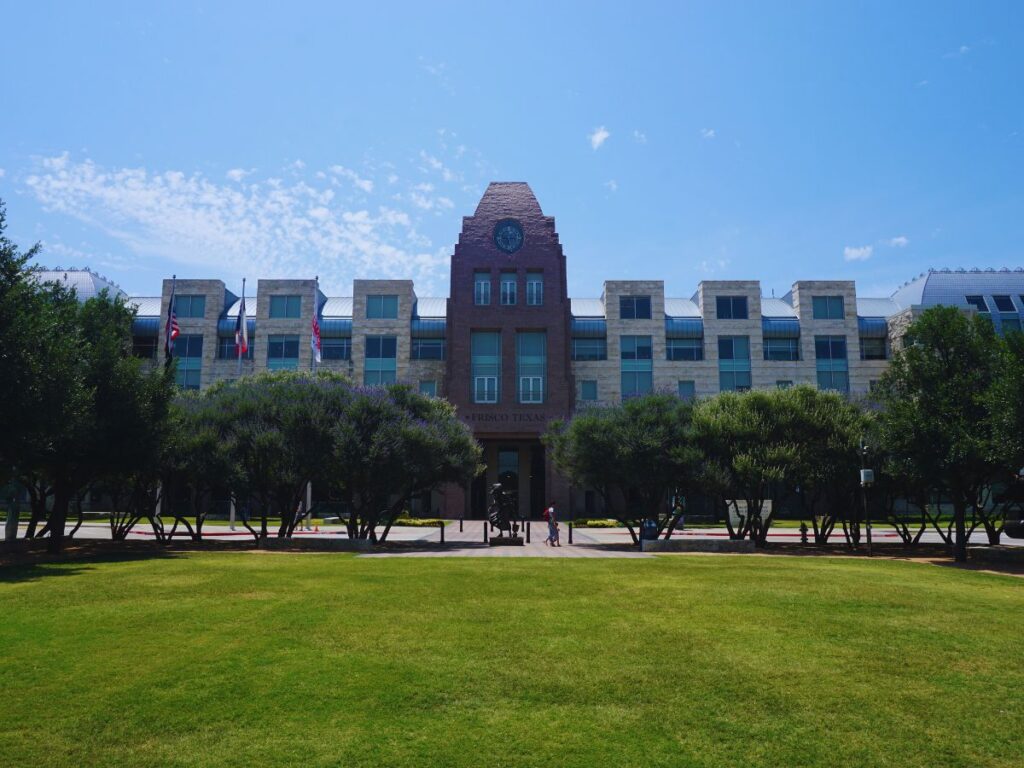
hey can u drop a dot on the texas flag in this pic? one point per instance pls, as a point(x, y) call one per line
point(241, 331)
point(314, 339)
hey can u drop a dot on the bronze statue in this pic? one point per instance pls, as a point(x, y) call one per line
point(501, 512)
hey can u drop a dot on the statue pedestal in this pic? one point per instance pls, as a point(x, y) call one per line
point(506, 541)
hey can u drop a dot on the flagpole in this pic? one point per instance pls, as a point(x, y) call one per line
point(316, 284)
point(238, 346)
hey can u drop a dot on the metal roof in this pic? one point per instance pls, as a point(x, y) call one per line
point(337, 306)
point(876, 307)
point(427, 307)
point(772, 307)
point(146, 306)
point(950, 287)
point(87, 284)
point(780, 328)
point(586, 307)
point(681, 308)
point(250, 308)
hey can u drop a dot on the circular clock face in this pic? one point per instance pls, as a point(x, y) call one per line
point(508, 236)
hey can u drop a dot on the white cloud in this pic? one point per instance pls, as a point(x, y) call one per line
point(711, 266)
point(598, 137)
point(901, 241)
point(611, 185)
point(237, 174)
point(268, 228)
point(922, 83)
point(432, 164)
point(707, 133)
point(366, 185)
point(963, 50)
point(639, 137)
point(2, 173)
point(863, 253)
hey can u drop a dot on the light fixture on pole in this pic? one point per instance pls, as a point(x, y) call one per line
point(867, 479)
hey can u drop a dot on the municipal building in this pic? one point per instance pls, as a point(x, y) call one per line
point(512, 351)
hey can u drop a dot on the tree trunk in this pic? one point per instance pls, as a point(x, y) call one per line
point(960, 521)
point(58, 518)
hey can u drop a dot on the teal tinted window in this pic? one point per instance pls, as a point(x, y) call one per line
point(188, 349)
point(831, 363)
point(588, 389)
point(285, 306)
point(531, 365)
point(189, 306)
point(733, 363)
point(282, 353)
point(589, 349)
point(380, 364)
point(481, 288)
point(381, 307)
point(684, 349)
point(428, 388)
point(827, 307)
point(485, 351)
point(731, 307)
point(687, 390)
point(635, 307)
point(534, 288)
point(781, 349)
point(637, 375)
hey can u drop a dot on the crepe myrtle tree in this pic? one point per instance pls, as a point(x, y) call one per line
point(748, 455)
point(825, 430)
point(389, 444)
point(637, 456)
point(276, 433)
point(936, 415)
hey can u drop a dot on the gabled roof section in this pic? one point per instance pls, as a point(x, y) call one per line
point(586, 307)
point(337, 306)
point(681, 308)
point(876, 307)
point(236, 305)
point(772, 307)
point(430, 307)
point(146, 306)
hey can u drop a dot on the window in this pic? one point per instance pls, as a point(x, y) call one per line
point(485, 351)
point(589, 349)
point(978, 302)
point(634, 307)
point(872, 349)
point(188, 349)
point(687, 390)
point(282, 353)
point(1009, 323)
point(588, 390)
point(380, 365)
point(144, 346)
point(381, 307)
point(285, 306)
point(637, 372)
point(1004, 304)
point(508, 288)
point(733, 363)
point(827, 307)
point(781, 349)
point(534, 288)
point(731, 307)
point(226, 349)
point(783, 384)
point(189, 306)
point(336, 349)
point(481, 288)
point(427, 349)
point(531, 365)
point(833, 370)
point(428, 388)
point(684, 349)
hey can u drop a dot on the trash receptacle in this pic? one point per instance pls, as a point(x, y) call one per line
point(649, 530)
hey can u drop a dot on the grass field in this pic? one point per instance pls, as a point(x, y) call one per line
point(249, 659)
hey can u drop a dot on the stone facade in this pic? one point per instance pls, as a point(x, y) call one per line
point(510, 429)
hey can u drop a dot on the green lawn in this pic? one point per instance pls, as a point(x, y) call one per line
point(249, 659)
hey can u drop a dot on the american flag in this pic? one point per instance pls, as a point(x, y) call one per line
point(314, 339)
point(171, 330)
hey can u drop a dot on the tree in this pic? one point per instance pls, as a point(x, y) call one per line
point(935, 416)
point(748, 454)
point(637, 456)
point(390, 444)
point(825, 430)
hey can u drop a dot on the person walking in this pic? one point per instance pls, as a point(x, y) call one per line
point(551, 515)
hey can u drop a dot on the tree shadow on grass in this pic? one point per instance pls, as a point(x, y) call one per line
point(34, 565)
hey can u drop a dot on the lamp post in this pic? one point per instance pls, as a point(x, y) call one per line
point(867, 479)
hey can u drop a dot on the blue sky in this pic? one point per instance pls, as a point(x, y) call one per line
point(680, 141)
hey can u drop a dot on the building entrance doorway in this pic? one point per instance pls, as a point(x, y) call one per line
point(519, 466)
